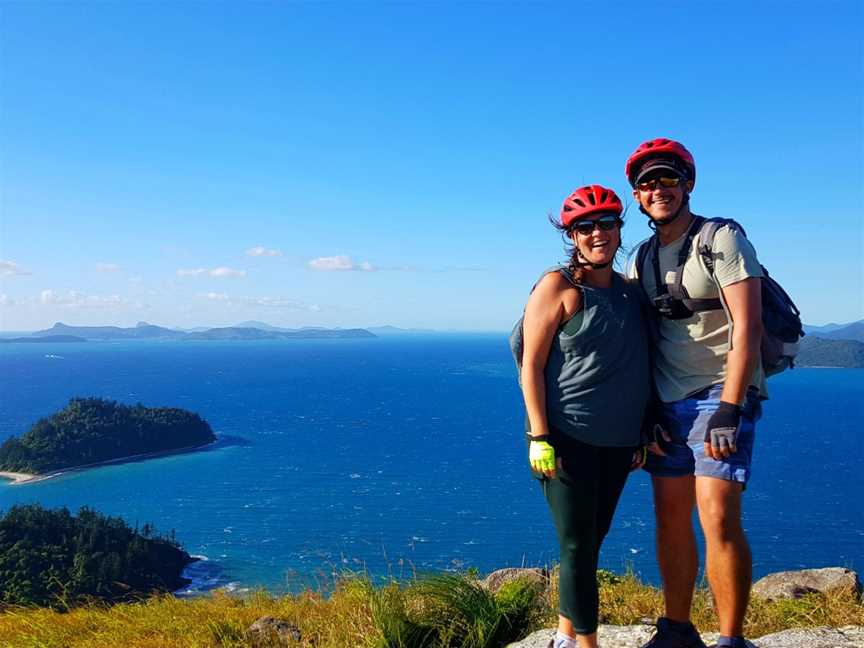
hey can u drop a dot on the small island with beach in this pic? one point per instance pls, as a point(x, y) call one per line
point(89, 432)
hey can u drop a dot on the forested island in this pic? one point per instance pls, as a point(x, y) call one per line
point(94, 430)
point(51, 558)
point(822, 352)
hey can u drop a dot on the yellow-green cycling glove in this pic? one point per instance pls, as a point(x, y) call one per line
point(541, 456)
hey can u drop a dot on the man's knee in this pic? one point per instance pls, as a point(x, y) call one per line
point(719, 504)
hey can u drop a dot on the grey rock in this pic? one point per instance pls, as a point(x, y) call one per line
point(269, 631)
point(635, 636)
point(795, 584)
point(847, 637)
point(609, 636)
point(497, 579)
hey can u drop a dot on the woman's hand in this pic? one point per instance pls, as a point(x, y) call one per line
point(541, 456)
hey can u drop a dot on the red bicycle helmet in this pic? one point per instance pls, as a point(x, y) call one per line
point(591, 199)
point(660, 147)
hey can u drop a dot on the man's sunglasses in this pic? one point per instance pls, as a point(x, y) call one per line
point(604, 223)
point(666, 183)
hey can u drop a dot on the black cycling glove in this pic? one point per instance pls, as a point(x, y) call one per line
point(722, 429)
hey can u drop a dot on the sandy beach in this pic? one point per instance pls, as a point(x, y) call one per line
point(26, 478)
point(18, 478)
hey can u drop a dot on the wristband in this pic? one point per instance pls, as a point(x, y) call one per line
point(538, 437)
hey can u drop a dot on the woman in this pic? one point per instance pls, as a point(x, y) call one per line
point(585, 379)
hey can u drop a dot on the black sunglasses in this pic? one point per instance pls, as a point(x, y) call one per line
point(604, 223)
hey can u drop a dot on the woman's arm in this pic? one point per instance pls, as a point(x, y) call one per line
point(551, 303)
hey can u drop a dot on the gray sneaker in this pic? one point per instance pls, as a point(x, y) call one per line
point(674, 636)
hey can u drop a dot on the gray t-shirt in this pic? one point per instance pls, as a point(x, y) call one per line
point(597, 374)
point(690, 354)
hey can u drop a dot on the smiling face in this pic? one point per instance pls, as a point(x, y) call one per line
point(600, 245)
point(661, 203)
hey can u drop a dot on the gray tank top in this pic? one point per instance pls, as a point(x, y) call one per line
point(598, 373)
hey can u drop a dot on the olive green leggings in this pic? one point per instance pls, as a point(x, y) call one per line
point(582, 499)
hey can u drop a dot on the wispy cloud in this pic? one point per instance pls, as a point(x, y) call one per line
point(10, 268)
point(227, 272)
point(261, 251)
point(6, 300)
point(340, 263)
point(76, 299)
point(214, 272)
point(107, 267)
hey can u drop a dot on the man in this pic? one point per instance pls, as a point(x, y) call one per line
point(709, 382)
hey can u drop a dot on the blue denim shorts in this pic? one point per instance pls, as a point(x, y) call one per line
point(686, 421)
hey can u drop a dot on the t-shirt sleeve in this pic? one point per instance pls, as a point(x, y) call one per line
point(734, 257)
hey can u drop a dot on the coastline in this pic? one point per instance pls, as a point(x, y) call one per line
point(18, 479)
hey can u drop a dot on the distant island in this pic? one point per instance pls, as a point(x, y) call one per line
point(92, 431)
point(45, 339)
point(243, 333)
point(51, 558)
point(145, 331)
point(823, 352)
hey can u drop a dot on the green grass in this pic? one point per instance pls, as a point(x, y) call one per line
point(438, 611)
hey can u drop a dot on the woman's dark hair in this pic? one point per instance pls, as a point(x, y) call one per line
point(570, 249)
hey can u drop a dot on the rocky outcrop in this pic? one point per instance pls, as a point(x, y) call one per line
point(636, 635)
point(269, 631)
point(782, 585)
point(795, 584)
point(497, 579)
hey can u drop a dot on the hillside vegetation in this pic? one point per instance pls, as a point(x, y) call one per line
point(52, 558)
point(444, 611)
point(91, 430)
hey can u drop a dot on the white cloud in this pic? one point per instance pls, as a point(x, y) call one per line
point(76, 299)
point(261, 251)
point(6, 300)
point(226, 272)
point(338, 263)
point(107, 267)
point(214, 296)
point(215, 272)
point(10, 268)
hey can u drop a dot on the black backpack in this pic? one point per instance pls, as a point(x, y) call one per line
point(781, 319)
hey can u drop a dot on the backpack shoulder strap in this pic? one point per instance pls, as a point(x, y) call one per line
point(677, 289)
point(705, 243)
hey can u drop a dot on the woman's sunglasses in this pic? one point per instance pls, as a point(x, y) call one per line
point(604, 223)
point(666, 183)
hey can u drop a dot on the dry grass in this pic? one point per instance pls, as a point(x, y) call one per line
point(442, 611)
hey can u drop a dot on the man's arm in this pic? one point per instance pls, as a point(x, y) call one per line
point(744, 301)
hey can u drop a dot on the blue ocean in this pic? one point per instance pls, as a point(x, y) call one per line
point(400, 455)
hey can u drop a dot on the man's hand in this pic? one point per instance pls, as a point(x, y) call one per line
point(541, 456)
point(653, 438)
point(640, 456)
point(721, 433)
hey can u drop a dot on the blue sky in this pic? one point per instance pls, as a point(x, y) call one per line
point(358, 164)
